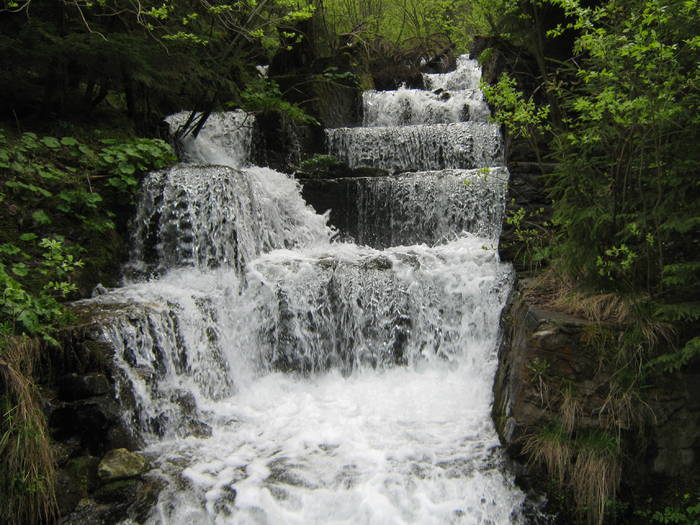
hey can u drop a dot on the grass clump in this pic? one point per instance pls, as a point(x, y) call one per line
point(587, 462)
point(27, 467)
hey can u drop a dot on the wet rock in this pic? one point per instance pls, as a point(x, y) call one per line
point(379, 262)
point(131, 499)
point(121, 464)
point(68, 492)
point(73, 387)
point(188, 405)
point(87, 512)
point(88, 420)
point(64, 450)
point(75, 481)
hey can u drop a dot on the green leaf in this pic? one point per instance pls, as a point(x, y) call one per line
point(50, 142)
point(9, 249)
point(127, 169)
point(86, 150)
point(28, 236)
point(69, 141)
point(40, 217)
point(20, 269)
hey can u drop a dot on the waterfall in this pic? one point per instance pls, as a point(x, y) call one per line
point(430, 207)
point(220, 213)
point(278, 377)
point(416, 106)
point(419, 147)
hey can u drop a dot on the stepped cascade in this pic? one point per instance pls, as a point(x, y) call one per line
point(276, 376)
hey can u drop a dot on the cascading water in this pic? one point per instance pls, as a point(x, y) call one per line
point(417, 106)
point(276, 377)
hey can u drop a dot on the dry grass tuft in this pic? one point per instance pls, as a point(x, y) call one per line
point(27, 467)
point(551, 448)
point(561, 293)
point(624, 408)
point(588, 464)
point(569, 411)
point(594, 478)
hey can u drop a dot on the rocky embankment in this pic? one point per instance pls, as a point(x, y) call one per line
point(554, 383)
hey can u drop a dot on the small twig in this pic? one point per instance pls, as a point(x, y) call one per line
point(19, 127)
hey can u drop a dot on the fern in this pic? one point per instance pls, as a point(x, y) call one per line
point(674, 361)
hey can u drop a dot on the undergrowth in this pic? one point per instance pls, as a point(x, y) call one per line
point(27, 467)
point(59, 205)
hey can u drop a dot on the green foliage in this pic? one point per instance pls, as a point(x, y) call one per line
point(320, 163)
point(32, 287)
point(521, 116)
point(685, 511)
point(532, 237)
point(627, 187)
point(672, 361)
point(56, 195)
point(263, 95)
point(144, 59)
point(125, 160)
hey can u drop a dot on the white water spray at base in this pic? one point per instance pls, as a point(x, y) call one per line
point(395, 446)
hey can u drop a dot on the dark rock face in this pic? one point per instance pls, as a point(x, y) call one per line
point(279, 144)
point(117, 501)
point(533, 336)
point(73, 387)
point(336, 195)
point(525, 192)
point(85, 421)
point(545, 352)
point(676, 435)
point(84, 414)
point(338, 189)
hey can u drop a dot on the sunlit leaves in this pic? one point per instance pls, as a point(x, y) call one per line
point(520, 115)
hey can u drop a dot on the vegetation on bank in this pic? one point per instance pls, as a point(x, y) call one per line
point(626, 189)
point(617, 114)
point(63, 206)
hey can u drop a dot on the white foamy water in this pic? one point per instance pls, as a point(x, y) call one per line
point(467, 75)
point(372, 436)
point(216, 210)
point(381, 447)
point(225, 139)
point(457, 145)
point(415, 106)
point(278, 378)
point(431, 207)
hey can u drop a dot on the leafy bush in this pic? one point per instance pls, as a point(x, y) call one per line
point(685, 511)
point(123, 161)
point(56, 197)
point(626, 188)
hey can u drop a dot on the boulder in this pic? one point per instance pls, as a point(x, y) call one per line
point(73, 387)
point(120, 464)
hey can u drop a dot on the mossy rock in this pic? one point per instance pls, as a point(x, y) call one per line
point(119, 464)
point(75, 481)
